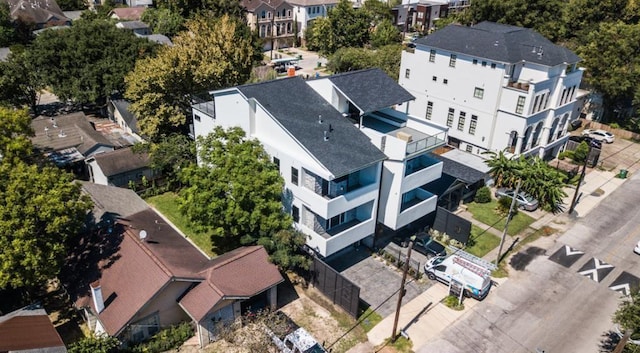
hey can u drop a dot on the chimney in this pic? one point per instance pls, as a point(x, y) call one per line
point(96, 294)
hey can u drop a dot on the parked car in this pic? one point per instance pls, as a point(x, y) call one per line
point(524, 200)
point(423, 244)
point(599, 135)
point(589, 140)
point(637, 248)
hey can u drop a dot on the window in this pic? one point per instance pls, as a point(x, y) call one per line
point(475, 61)
point(432, 56)
point(535, 103)
point(276, 161)
point(520, 105)
point(429, 110)
point(263, 14)
point(294, 176)
point(478, 92)
point(309, 10)
point(452, 60)
point(493, 65)
point(461, 120)
point(473, 124)
point(288, 13)
point(469, 148)
point(295, 213)
point(445, 81)
point(450, 117)
point(407, 73)
point(484, 63)
point(420, 14)
point(546, 100)
point(196, 117)
point(434, 78)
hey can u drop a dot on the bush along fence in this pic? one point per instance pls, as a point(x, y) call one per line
point(397, 256)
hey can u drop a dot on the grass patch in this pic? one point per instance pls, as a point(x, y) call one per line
point(452, 303)
point(481, 242)
point(401, 345)
point(501, 271)
point(369, 319)
point(485, 213)
point(167, 204)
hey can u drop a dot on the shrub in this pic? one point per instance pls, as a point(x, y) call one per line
point(504, 204)
point(170, 338)
point(581, 152)
point(562, 155)
point(95, 344)
point(483, 195)
point(452, 303)
point(456, 244)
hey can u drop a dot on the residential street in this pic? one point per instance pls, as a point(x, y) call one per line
point(550, 306)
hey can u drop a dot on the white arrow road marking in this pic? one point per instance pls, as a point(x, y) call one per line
point(569, 251)
point(593, 273)
point(623, 288)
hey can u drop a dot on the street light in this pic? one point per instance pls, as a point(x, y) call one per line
point(401, 293)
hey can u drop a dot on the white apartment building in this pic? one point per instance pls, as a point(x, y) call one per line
point(347, 158)
point(306, 11)
point(496, 87)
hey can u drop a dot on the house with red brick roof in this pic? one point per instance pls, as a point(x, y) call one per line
point(147, 276)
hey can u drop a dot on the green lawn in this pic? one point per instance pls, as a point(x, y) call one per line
point(485, 213)
point(167, 204)
point(481, 242)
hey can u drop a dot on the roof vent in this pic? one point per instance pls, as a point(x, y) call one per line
point(143, 235)
point(326, 135)
point(495, 44)
point(46, 131)
point(320, 119)
point(62, 134)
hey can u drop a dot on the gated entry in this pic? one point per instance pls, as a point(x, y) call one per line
point(335, 286)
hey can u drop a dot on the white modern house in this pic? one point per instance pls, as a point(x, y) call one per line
point(496, 87)
point(306, 11)
point(348, 160)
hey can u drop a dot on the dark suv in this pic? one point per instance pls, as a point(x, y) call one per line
point(424, 245)
point(590, 141)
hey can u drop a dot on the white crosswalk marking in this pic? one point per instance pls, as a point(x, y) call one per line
point(623, 288)
point(569, 251)
point(593, 272)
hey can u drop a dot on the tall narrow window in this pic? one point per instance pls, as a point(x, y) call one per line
point(535, 104)
point(276, 161)
point(429, 110)
point(473, 124)
point(450, 117)
point(432, 56)
point(461, 120)
point(295, 213)
point(520, 105)
point(294, 176)
point(407, 73)
point(546, 100)
point(452, 60)
point(478, 92)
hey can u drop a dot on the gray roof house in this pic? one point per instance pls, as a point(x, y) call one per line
point(120, 168)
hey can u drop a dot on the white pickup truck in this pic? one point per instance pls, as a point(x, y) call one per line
point(475, 278)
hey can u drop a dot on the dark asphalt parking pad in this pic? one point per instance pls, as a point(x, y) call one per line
point(596, 269)
point(566, 256)
point(624, 283)
point(520, 260)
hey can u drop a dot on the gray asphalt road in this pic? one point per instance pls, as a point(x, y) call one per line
point(549, 306)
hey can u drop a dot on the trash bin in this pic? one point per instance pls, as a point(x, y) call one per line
point(319, 64)
point(623, 174)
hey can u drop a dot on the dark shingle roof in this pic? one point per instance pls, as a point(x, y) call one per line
point(123, 107)
point(498, 42)
point(121, 161)
point(296, 106)
point(114, 201)
point(371, 89)
point(461, 171)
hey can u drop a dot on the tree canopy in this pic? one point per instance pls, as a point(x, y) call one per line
point(386, 58)
point(169, 155)
point(343, 27)
point(385, 33)
point(211, 54)
point(209, 8)
point(163, 21)
point(236, 193)
point(15, 129)
point(87, 62)
point(19, 81)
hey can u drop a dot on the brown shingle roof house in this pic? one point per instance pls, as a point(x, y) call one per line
point(29, 330)
point(150, 277)
point(42, 13)
point(127, 13)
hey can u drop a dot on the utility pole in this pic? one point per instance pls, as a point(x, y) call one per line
point(401, 293)
point(506, 224)
point(584, 169)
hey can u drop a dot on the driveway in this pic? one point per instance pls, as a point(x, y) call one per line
point(379, 283)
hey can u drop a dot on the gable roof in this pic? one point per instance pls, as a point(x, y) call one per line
point(127, 13)
point(297, 107)
point(312, 2)
point(234, 275)
point(29, 329)
point(114, 201)
point(132, 25)
point(498, 42)
point(66, 131)
point(122, 106)
point(120, 161)
point(370, 89)
point(252, 5)
point(36, 11)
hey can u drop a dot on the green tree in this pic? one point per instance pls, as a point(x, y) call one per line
point(211, 8)
point(212, 54)
point(163, 21)
point(169, 155)
point(72, 5)
point(385, 33)
point(236, 193)
point(19, 81)
point(7, 31)
point(15, 129)
point(40, 209)
point(343, 27)
point(95, 344)
point(584, 16)
point(612, 57)
point(628, 314)
point(284, 249)
point(386, 58)
point(377, 11)
point(87, 62)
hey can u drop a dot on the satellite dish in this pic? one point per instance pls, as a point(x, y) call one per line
point(143, 234)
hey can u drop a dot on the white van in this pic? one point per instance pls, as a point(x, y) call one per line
point(476, 279)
